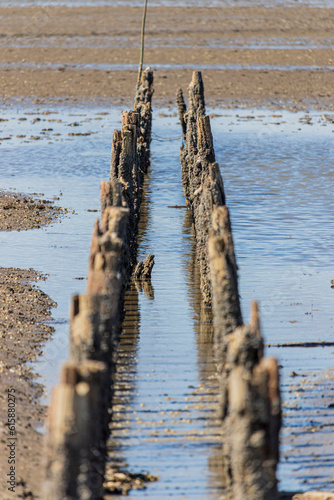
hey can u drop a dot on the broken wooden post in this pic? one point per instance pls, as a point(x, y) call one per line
point(85, 341)
point(94, 329)
point(224, 280)
point(143, 270)
point(225, 295)
point(76, 434)
point(143, 106)
point(254, 414)
point(109, 253)
point(111, 194)
point(249, 386)
point(251, 411)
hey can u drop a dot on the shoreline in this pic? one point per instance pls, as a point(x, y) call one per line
point(224, 88)
point(25, 327)
point(25, 310)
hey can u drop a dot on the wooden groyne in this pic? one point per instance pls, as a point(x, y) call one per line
point(201, 178)
point(250, 406)
point(78, 422)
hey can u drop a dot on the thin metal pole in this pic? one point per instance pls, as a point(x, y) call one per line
point(140, 69)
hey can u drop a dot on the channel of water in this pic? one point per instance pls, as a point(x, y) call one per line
point(278, 174)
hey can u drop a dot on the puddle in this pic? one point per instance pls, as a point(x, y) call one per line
point(278, 174)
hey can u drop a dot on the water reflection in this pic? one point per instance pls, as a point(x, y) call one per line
point(206, 365)
point(125, 381)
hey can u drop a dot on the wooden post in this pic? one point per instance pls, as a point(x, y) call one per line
point(253, 431)
point(143, 270)
point(143, 106)
point(111, 194)
point(116, 149)
point(85, 341)
point(78, 416)
point(76, 432)
point(109, 253)
point(224, 279)
point(182, 109)
point(251, 412)
point(201, 179)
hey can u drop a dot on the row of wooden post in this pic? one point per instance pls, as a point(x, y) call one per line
point(250, 406)
point(78, 420)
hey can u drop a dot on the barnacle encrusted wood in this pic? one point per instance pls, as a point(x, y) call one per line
point(201, 179)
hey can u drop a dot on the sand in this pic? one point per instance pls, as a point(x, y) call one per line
point(251, 56)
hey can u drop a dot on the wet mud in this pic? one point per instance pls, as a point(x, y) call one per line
point(24, 330)
point(254, 56)
point(20, 213)
point(25, 327)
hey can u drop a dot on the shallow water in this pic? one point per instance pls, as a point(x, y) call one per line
point(278, 174)
point(133, 67)
point(55, 164)
point(170, 41)
point(279, 204)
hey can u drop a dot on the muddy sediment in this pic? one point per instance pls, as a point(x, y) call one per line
point(25, 311)
point(251, 55)
point(19, 212)
point(24, 328)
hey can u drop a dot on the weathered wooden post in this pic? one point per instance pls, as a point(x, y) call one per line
point(225, 294)
point(76, 434)
point(254, 421)
point(143, 106)
point(249, 386)
point(143, 270)
point(78, 417)
point(130, 157)
point(201, 179)
point(111, 194)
